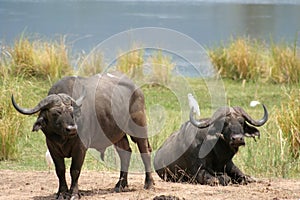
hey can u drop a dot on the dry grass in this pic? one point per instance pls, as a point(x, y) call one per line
point(162, 67)
point(90, 64)
point(40, 58)
point(250, 59)
point(131, 63)
point(288, 121)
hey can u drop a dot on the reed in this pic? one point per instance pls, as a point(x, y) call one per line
point(39, 58)
point(288, 121)
point(12, 125)
point(131, 63)
point(90, 64)
point(250, 59)
point(162, 67)
point(285, 64)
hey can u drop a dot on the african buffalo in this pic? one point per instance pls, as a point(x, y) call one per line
point(202, 150)
point(108, 107)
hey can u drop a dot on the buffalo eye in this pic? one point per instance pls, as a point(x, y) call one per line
point(241, 120)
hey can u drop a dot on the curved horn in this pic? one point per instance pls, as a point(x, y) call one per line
point(65, 98)
point(253, 122)
point(29, 111)
point(78, 102)
point(199, 124)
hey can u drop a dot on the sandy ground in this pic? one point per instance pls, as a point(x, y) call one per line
point(42, 185)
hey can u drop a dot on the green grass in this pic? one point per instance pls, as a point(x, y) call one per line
point(167, 109)
point(267, 157)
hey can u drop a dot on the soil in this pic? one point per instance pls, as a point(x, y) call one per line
point(42, 185)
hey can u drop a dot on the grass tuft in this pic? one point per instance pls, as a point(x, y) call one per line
point(288, 121)
point(40, 58)
point(162, 67)
point(131, 63)
point(250, 59)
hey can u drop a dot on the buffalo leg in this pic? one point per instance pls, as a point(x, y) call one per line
point(60, 170)
point(77, 162)
point(140, 135)
point(124, 152)
point(145, 150)
point(236, 175)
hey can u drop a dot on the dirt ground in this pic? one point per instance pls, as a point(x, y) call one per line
point(42, 185)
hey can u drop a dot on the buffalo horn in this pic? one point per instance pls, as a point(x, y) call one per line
point(253, 122)
point(199, 124)
point(46, 102)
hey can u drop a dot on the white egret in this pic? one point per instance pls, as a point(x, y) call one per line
point(194, 104)
point(254, 103)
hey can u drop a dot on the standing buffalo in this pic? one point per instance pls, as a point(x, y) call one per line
point(107, 107)
point(202, 151)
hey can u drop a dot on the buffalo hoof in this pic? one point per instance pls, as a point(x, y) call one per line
point(120, 186)
point(149, 184)
point(245, 180)
point(62, 196)
point(149, 181)
point(75, 197)
point(213, 181)
point(224, 179)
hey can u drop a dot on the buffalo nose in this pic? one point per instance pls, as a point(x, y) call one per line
point(71, 129)
point(238, 139)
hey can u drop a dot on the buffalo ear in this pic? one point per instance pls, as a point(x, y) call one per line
point(40, 122)
point(251, 131)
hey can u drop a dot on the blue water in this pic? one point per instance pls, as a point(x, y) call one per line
point(87, 23)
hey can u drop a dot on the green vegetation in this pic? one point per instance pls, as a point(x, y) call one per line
point(40, 59)
point(251, 71)
point(131, 63)
point(250, 59)
point(162, 67)
point(288, 119)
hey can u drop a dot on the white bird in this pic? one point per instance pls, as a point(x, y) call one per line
point(194, 104)
point(48, 159)
point(254, 103)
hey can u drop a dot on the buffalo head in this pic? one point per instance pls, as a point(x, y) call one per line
point(232, 124)
point(57, 114)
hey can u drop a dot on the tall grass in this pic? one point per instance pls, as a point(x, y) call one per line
point(12, 125)
point(26, 70)
point(39, 58)
point(288, 121)
point(239, 60)
point(251, 59)
point(90, 64)
point(162, 67)
point(285, 64)
point(131, 63)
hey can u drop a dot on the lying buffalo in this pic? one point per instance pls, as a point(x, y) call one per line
point(202, 150)
point(107, 107)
